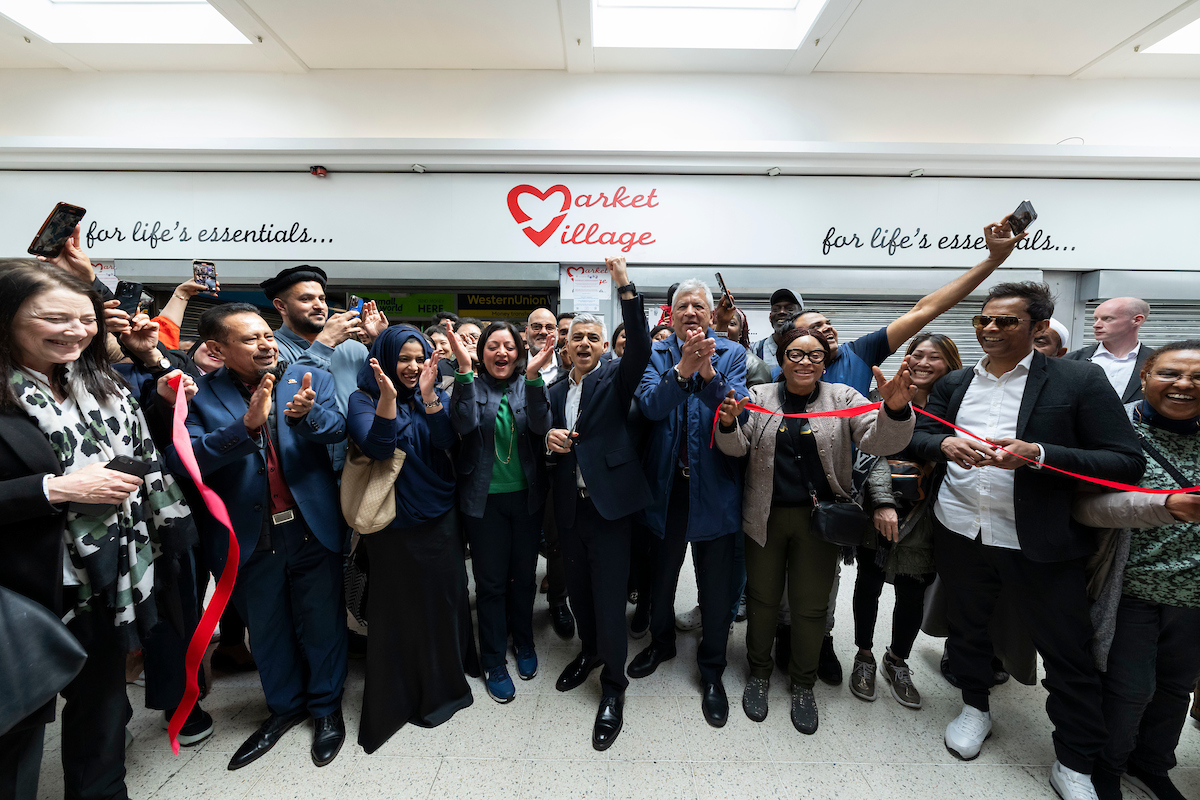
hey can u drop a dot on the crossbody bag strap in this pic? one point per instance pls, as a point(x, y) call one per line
point(1157, 455)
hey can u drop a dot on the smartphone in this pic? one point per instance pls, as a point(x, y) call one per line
point(145, 303)
point(1022, 218)
point(130, 466)
point(355, 303)
point(205, 273)
point(721, 283)
point(55, 231)
point(130, 296)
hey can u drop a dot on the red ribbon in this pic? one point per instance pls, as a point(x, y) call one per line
point(212, 614)
point(864, 409)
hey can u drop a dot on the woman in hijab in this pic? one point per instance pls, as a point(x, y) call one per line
point(420, 638)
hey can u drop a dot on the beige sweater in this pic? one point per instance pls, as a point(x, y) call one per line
point(874, 433)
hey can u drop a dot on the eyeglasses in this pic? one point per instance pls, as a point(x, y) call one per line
point(535, 326)
point(1005, 322)
point(1170, 376)
point(813, 356)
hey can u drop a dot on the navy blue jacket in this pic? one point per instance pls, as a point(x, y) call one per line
point(715, 486)
point(473, 408)
point(234, 464)
point(605, 450)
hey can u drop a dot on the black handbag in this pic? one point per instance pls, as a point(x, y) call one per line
point(840, 522)
point(908, 479)
point(38, 657)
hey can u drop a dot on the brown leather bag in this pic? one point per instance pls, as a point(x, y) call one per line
point(368, 492)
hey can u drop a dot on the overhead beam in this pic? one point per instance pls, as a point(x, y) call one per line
point(576, 16)
point(1179, 17)
point(260, 35)
point(41, 46)
point(821, 34)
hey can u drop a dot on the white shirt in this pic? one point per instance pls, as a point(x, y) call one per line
point(547, 372)
point(980, 499)
point(1118, 370)
point(574, 391)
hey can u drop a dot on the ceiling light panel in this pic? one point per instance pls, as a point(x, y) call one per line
point(703, 24)
point(1185, 41)
point(123, 21)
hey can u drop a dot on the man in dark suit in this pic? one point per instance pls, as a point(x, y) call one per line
point(597, 484)
point(266, 457)
point(1001, 519)
point(1117, 350)
point(541, 331)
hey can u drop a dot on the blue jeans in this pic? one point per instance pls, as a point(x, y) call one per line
point(1152, 666)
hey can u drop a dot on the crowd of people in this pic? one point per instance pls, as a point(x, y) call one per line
point(611, 456)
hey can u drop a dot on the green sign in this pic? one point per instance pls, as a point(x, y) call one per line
point(410, 305)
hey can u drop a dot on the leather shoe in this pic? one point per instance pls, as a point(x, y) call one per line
point(715, 705)
point(329, 732)
point(263, 739)
point(645, 662)
point(609, 718)
point(562, 620)
point(576, 672)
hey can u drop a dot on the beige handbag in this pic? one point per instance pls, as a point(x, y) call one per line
point(368, 491)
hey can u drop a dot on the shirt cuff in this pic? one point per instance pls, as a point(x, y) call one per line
point(1041, 459)
point(45, 486)
point(464, 377)
point(538, 381)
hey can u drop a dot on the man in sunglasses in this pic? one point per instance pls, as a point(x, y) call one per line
point(1002, 519)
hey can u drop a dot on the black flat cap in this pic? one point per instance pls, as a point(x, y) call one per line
point(273, 287)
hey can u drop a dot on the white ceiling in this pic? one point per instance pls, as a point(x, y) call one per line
point(1081, 38)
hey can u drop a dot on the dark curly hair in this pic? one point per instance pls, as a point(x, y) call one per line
point(1173, 347)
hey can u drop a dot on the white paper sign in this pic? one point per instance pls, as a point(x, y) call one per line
point(588, 286)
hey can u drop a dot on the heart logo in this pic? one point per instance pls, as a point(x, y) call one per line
point(536, 236)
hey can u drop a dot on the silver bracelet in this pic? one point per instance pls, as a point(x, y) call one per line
point(434, 404)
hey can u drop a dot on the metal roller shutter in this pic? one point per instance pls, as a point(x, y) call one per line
point(1167, 323)
point(200, 303)
point(856, 317)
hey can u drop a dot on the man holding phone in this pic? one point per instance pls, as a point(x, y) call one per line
point(311, 336)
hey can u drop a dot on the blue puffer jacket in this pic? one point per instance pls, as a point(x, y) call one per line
point(715, 487)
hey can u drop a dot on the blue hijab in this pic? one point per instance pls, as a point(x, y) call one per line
point(425, 486)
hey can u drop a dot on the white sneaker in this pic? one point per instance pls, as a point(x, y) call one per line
point(689, 621)
point(965, 734)
point(1071, 785)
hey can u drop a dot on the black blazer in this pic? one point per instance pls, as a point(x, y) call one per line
point(605, 451)
point(1068, 408)
point(31, 530)
point(1133, 389)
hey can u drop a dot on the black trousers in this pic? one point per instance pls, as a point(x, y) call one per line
point(1054, 603)
point(1152, 667)
point(555, 571)
point(504, 551)
point(21, 762)
point(906, 616)
point(165, 650)
point(596, 559)
point(641, 573)
point(714, 581)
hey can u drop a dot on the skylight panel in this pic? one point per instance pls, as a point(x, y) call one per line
point(123, 21)
point(703, 24)
point(1185, 41)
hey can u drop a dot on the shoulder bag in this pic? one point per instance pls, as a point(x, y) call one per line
point(368, 492)
point(38, 657)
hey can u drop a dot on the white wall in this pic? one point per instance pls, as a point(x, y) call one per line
point(729, 113)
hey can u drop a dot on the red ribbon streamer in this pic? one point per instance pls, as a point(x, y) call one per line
point(864, 409)
point(212, 614)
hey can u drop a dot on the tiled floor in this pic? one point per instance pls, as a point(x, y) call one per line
point(539, 745)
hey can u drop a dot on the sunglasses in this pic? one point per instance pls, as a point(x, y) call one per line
point(1005, 322)
point(813, 356)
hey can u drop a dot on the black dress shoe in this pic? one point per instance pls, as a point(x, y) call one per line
point(715, 705)
point(576, 672)
point(263, 739)
point(645, 662)
point(328, 734)
point(609, 718)
point(562, 620)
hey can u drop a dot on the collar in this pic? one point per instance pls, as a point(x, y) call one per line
point(1145, 412)
point(283, 331)
point(981, 368)
point(1132, 355)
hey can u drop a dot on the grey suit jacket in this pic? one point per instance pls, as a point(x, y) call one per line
point(1133, 389)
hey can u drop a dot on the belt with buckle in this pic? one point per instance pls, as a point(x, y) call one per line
point(283, 516)
point(583, 493)
point(685, 471)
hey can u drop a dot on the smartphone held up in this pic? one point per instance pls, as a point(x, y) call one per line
point(1022, 218)
point(205, 274)
point(58, 227)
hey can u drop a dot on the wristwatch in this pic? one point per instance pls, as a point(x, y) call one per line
point(160, 367)
point(629, 287)
point(679, 379)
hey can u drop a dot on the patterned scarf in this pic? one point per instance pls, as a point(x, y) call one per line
point(113, 555)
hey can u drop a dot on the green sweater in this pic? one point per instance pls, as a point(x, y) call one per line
point(507, 474)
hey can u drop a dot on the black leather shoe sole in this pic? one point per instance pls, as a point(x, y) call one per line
point(643, 666)
point(261, 748)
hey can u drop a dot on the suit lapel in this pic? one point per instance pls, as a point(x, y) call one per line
point(956, 397)
point(226, 390)
point(1033, 388)
point(1135, 380)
